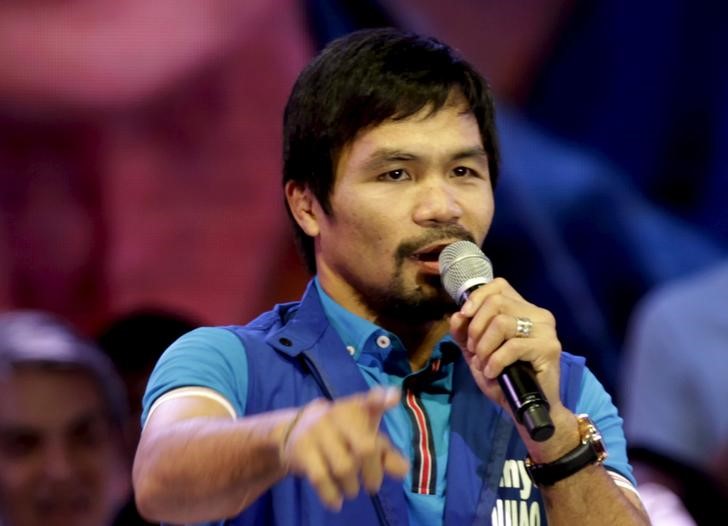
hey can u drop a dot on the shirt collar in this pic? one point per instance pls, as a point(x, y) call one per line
point(353, 330)
point(357, 333)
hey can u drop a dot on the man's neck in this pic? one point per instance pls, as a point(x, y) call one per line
point(419, 340)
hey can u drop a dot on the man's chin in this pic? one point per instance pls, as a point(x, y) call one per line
point(420, 307)
point(429, 289)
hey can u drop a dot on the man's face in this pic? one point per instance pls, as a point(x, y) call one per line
point(60, 463)
point(403, 190)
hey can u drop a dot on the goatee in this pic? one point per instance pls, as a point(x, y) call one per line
point(427, 300)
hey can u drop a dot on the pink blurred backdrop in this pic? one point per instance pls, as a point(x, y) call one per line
point(140, 146)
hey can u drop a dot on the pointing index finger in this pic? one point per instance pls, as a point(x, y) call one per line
point(380, 399)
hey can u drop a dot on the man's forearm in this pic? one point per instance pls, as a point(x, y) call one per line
point(588, 497)
point(591, 497)
point(207, 468)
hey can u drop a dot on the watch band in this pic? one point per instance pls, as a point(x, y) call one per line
point(591, 450)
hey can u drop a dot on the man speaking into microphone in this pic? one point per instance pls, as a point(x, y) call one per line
point(377, 398)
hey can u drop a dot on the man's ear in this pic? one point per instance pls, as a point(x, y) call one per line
point(303, 206)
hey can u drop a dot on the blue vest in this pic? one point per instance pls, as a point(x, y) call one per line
point(295, 355)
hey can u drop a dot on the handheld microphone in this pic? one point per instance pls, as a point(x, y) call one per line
point(464, 268)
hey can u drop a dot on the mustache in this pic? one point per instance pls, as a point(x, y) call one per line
point(444, 233)
point(67, 499)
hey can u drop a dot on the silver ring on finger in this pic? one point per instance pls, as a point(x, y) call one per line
point(523, 327)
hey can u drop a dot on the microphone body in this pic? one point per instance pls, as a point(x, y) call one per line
point(463, 269)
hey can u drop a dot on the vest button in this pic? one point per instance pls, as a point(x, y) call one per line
point(285, 341)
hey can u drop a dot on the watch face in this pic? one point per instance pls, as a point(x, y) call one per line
point(599, 447)
point(590, 435)
point(590, 450)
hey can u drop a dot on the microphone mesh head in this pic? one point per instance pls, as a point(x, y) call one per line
point(463, 266)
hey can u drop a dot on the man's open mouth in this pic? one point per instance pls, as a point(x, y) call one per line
point(430, 254)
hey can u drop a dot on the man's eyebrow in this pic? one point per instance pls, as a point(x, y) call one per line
point(469, 153)
point(386, 155)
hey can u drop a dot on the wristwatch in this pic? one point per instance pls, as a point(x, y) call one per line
point(591, 450)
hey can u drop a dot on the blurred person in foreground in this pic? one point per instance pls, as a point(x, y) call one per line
point(374, 399)
point(674, 391)
point(62, 411)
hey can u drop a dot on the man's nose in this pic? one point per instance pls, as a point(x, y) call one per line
point(59, 462)
point(437, 202)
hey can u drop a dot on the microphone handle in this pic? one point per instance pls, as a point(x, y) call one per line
point(527, 401)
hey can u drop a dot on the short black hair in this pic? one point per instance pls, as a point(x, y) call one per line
point(360, 80)
point(136, 340)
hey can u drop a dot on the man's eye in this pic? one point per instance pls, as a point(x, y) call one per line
point(18, 446)
point(463, 171)
point(394, 175)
